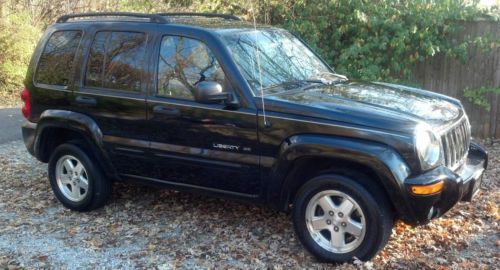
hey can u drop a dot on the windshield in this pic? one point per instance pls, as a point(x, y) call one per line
point(283, 58)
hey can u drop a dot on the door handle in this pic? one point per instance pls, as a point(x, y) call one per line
point(166, 110)
point(86, 100)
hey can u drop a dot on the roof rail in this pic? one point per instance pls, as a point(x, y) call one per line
point(152, 17)
point(194, 14)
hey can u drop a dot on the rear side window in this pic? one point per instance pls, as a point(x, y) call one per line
point(116, 61)
point(55, 66)
point(183, 63)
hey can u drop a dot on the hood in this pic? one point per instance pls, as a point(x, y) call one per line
point(372, 104)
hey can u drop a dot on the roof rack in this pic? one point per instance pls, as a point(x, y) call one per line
point(194, 14)
point(152, 17)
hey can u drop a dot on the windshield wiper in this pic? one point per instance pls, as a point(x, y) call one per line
point(293, 84)
point(317, 79)
point(329, 81)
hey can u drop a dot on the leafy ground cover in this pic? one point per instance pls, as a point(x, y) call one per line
point(152, 228)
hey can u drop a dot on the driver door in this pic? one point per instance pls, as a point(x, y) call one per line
point(204, 146)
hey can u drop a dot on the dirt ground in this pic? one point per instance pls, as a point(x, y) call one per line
point(152, 228)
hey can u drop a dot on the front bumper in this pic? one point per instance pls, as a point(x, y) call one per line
point(459, 185)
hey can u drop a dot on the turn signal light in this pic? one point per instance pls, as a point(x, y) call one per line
point(428, 189)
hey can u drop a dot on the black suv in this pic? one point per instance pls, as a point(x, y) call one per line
point(209, 103)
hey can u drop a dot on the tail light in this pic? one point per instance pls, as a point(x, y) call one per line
point(26, 109)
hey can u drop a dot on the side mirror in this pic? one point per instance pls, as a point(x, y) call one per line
point(210, 92)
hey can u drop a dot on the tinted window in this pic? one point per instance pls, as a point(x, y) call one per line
point(56, 62)
point(116, 60)
point(183, 63)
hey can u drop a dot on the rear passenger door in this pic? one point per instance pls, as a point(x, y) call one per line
point(112, 92)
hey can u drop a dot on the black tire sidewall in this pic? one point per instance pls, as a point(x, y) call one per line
point(92, 171)
point(374, 217)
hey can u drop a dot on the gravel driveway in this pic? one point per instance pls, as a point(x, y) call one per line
point(10, 122)
point(150, 228)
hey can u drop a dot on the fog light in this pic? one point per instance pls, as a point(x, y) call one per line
point(427, 189)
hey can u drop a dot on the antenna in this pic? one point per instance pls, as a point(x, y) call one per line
point(257, 54)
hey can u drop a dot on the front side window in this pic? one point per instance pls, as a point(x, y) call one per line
point(183, 63)
point(271, 57)
point(55, 66)
point(116, 61)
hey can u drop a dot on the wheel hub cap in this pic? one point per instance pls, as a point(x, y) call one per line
point(72, 178)
point(335, 221)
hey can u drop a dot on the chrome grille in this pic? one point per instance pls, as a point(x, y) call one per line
point(455, 143)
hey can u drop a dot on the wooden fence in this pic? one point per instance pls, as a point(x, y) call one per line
point(450, 77)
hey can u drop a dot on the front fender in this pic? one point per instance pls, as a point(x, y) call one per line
point(382, 159)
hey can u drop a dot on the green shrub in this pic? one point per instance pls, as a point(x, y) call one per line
point(372, 40)
point(479, 96)
point(367, 39)
point(18, 37)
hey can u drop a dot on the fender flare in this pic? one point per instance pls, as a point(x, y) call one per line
point(81, 124)
point(389, 166)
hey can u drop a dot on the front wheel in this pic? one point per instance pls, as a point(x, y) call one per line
point(336, 218)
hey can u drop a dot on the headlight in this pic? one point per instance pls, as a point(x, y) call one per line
point(427, 146)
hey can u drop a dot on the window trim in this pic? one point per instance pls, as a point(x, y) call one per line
point(157, 67)
point(73, 69)
point(94, 89)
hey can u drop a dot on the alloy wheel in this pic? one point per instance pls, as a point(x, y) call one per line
point(72, 178)
point(335, 221)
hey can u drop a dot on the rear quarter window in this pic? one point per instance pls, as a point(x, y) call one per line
point(55, 66)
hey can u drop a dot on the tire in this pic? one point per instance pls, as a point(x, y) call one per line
point(81, 185)
point(339, 237)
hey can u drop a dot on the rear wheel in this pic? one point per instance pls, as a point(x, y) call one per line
point(337, 218)
point(76, 179)
point(72, 178)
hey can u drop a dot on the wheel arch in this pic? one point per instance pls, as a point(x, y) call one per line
point(58, 126)
point(303, 157)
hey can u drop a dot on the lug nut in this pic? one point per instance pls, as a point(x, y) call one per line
point(331, 213)
point(343, 224)
point(336, 228)
point(341, 214)
point(328, 222)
